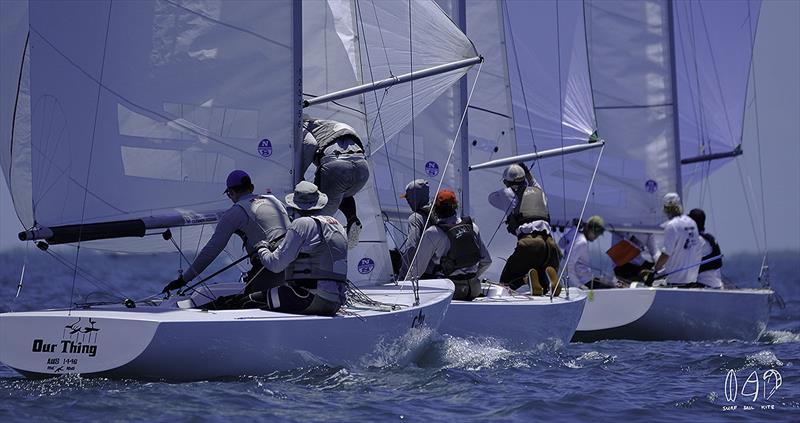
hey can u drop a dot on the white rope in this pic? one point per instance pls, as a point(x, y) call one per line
point(580, 219)
point(446, 165)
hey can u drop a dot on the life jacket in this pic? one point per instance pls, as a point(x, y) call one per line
point(715, 251)
point(531, 206)
point(267, 220)
point(326, 133)
point(464, 249)
point(328, 260)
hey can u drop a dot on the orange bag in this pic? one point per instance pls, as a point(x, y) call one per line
point(623, 252)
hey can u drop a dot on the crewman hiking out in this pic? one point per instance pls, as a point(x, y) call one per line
point(255, 218)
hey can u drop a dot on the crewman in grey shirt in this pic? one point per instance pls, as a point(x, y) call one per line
point(255, 219)
point(417, 195)
point(453, 249)
point(314, 257)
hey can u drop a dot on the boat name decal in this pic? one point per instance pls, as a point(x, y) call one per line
point(419, 320)
point(77, 337)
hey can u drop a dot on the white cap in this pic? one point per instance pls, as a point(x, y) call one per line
point(514, 173)
point(672, 199)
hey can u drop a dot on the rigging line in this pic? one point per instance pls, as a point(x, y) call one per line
point(91, 153)
point(380, 32)
point(16, 104)
point(716, 72)
point(588, 63)
point(447, 163)
point(561, 113)
point(758, 129)
point(694, 102)
point(206, 135)
point(413, 120)
point(522, 89)
point(749, 207)
point(378, 116)
point(99, 284)
point(702, 125)
point(580, 219)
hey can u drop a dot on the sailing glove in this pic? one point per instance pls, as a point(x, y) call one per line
point(176, 284)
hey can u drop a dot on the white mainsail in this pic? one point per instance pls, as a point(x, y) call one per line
point(713, 55)
point(142, 108)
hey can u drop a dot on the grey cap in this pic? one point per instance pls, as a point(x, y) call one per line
point(514, 173)
point(417, 193)
point(306, 196)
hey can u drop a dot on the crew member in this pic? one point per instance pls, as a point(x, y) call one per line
point(709, 274)
point(528, 218)
point(342, 170)
point(417, 195)
point(453, 249)
point(681, 252)
point(314, 257)
point(255, 219)
point(579, 268)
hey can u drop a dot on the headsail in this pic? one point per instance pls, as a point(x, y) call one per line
point(139, 108)
point(352, 43)
point(630, 63)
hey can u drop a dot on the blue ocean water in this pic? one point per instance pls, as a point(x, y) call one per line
point(453, 379)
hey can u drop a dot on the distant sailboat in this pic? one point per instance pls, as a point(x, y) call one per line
point(128, 116)
point(669, 81)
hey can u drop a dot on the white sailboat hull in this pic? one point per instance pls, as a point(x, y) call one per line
point(518, 321)
point(169, 343)
point(659, 314)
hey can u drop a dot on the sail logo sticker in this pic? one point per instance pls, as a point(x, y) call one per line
point(366, 265)
point(432, 168)
point(265, 148)
point(754, 387)
point(651, 186)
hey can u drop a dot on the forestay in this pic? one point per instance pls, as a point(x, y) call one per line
point(491, 125)
point(142, 108)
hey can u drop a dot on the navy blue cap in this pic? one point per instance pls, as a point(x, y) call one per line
point(236, 179)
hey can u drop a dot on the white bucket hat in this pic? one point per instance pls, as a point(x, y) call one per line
point(306, 196)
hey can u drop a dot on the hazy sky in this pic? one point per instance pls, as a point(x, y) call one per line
point(777, 67)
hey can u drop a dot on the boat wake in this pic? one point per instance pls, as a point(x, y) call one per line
point(779, 337)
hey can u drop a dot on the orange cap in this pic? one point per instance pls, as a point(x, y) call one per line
point(446, 196)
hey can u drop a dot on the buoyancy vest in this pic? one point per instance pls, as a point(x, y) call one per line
point(328, 260)
point(531, 206)
point(464, 251)
point(327, 131)
point(715, 251)
point(267, 220)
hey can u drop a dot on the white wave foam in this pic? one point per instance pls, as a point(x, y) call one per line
point(400, 351)
point(764, 359)
point(473, 354)
point(780, 337)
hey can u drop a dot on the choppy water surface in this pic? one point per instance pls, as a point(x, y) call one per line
point(454, 378)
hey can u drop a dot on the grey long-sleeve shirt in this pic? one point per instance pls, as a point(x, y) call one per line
point(435, 245)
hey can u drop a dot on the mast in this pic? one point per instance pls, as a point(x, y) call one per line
point(465, 204)
point(675, 117)
point(297, 103)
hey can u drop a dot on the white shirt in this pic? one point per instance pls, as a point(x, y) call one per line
point(710, 278)
point(579, 269)
point(682, 245)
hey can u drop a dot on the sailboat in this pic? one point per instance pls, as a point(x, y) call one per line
point(669, 81)
point(128, 116)
point(479, 120)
